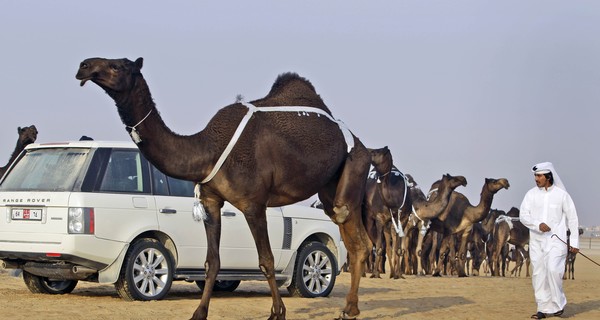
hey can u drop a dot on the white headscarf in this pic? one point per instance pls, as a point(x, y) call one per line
point(546, 167)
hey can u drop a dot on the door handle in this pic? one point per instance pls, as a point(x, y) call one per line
point(228, 214)
point(165, 210)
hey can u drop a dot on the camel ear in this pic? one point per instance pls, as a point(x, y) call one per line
point(19, 129)
point(139, 63)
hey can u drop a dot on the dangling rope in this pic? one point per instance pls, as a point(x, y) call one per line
point(581, 253)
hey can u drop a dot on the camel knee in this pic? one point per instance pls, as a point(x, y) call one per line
point(340, 214)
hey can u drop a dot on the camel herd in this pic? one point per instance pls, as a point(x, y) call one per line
point(442, 232)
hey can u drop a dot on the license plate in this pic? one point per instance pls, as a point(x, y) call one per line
point(26, 214)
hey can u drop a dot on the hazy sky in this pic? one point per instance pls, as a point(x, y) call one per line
point(483, 89)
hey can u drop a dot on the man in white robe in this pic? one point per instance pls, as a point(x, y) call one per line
point(548, 211)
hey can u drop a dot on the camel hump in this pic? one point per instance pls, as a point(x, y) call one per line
point(291, 89)
point(288, 79)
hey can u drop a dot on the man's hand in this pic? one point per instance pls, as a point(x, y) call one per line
point(573, 250)
point(544, 227)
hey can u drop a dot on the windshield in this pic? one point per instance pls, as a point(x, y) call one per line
point(46, 170)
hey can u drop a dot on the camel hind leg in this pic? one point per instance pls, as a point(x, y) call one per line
point(345, 211)
point(257, 221)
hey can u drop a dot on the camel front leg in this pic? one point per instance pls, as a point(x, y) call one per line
point(461, 260)
point(212, 225)
point(379, 250)
point(419, 248)
point(443, 253)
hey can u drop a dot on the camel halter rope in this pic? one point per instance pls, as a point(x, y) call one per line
point(581, 253)
point(135, 136)
point(199, 213)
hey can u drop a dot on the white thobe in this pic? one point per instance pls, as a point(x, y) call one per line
point(555, 208)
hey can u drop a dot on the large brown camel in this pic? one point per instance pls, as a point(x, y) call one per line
point(281, 157)
point(507, 230)
point(386, 209)
point(458, 219)
point(423, 210)
point(27, 135)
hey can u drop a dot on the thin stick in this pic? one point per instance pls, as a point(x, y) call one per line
point(581, 253)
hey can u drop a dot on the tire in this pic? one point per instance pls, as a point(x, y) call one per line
point(37, 284)
point(315, 271)
point(147, 272)
point(221, 285)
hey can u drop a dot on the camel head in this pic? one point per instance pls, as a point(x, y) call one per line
point(27, 135)
point(112, 75)
point(411, 181)
point(494, 185)
point(513, 212)
point(493, 215)
point(454, 181)
point(381, 159)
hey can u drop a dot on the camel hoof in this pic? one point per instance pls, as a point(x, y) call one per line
point(345, 316)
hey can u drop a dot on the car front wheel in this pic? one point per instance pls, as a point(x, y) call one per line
point(147, 272)
point(315, 271)
point(38, 284)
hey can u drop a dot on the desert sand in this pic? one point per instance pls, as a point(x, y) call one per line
point(425, 297)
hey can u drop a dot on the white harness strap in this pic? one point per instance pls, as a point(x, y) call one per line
point(398, 225)
point(302, 110)
point(425, 225)
point(507, 219)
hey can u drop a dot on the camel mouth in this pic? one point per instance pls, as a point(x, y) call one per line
point(83, 81)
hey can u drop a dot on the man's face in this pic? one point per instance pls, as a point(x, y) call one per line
point(541, 181)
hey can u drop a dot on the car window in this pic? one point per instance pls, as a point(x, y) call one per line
point(123, 172)
point(159, 183)
point(164, 185)
point(181, 188)
point(52, 169)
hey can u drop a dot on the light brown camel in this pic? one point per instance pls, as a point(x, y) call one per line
point(507, 230)
point(386, 209)
point(27, 135)
point(423, 210)
point(280, 158)
point(458, 219)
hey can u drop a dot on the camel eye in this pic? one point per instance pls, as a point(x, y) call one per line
point(114, 67)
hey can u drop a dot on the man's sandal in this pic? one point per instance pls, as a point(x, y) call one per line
point(558, 313)
point(538, 315)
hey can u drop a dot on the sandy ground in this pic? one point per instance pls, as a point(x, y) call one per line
point(448, 297)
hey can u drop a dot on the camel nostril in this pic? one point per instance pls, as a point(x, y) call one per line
point(83, 65)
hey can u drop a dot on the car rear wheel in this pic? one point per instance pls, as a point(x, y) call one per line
point(220, 285)
point(38, 284)
point(315, 271)
point(147, 272)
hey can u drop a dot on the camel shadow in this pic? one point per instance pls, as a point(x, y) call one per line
point(404, 307)
point(574, 309)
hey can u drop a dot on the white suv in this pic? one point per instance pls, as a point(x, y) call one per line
point(99, 211)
